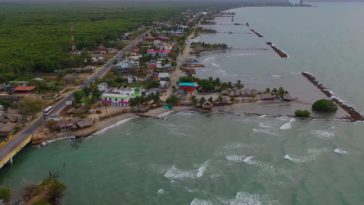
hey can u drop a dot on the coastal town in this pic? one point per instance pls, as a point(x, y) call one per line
point(154, 72)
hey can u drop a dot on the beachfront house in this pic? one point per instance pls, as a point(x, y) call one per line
point(120, 97)
point(267, 97)
point(189, 87)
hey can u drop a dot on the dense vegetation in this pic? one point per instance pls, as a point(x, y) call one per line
point(37, 38)
point(5, 194)
point(302, 113)
point(324, 105)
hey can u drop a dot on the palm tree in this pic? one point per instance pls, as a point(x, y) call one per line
point(267, 90)
point(220, 100)
point(281, 92)
point(238, 84)
point(202, 101)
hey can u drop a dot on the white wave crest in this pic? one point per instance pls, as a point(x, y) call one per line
point(312, 154)
point(215, 65)
point(235, 158)
point(161, 191)
point(196, 201)
point(177, 174)
point(340, 151)
point(263, 125)
point(287, 125)
point(114, 125)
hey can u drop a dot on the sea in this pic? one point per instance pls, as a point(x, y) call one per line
point(191, 158)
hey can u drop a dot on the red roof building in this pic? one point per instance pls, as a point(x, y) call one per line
point(24, 89)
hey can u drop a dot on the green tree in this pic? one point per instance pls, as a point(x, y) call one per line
point(5, 194)
point(28, 106)
point(324, 105)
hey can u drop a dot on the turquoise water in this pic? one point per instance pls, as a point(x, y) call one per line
point(192, 158)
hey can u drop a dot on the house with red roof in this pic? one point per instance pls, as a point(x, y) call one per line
point(23, 89)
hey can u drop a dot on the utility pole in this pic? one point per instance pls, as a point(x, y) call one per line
point(73, 40)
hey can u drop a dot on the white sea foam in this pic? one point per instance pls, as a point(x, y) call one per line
point(324, 134)
point(311, 155)
point(196, 201)
point(263, 125)
point(276, 76)
point(114, 125)
point(265, 131)
point(165, 113)
point(243, 198)
point(249, 160)
point(208, 59)
point(201, 170)
point(340, 151)
point(287, 125)
point(177, 174)
point(161, 191)
point(215, 65)
point(235, 158)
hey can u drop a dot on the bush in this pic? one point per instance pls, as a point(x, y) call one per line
point(324, 105)
point(302, 113)
point(173, 100)
point(4, 194)
point(29, 106)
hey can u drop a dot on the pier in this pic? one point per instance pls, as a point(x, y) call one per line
point(354, 114)
point(281, 53)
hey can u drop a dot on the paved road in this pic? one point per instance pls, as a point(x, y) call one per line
point(59, 106)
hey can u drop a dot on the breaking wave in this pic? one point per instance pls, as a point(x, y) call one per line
point(287, 125)
point(235, 158)
point(312, 154)
point(340, 151)
point(177, 174)
point(114, 125)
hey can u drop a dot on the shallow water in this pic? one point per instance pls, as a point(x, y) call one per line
point(191, 158)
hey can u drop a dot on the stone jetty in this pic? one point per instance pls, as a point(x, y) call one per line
point(256, 33)
point(281, 53)
point(354, 114)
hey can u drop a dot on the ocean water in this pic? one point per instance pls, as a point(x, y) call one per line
point(192, 158)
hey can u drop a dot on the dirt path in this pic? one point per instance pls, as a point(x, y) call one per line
point(177, 73)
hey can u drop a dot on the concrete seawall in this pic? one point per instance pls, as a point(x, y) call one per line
point(354, 114)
